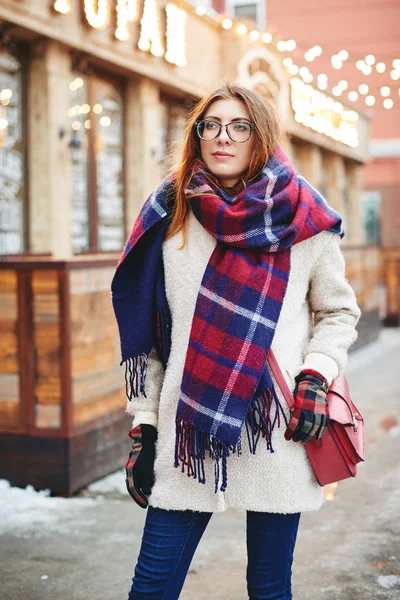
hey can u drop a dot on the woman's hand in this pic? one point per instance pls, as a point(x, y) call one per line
point(310, 417)
point(140, 466)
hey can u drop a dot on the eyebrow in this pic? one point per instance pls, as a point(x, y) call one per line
point(231, 121)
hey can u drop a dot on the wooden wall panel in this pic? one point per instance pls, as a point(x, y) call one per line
point(47, 348)
point(98, 406)
point(9, 363)
point(98, 384)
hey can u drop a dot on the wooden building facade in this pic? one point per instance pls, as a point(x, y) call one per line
point(92, 103)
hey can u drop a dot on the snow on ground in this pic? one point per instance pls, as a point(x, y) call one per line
point(112, 484)
point(26, 512)
point(388, 581)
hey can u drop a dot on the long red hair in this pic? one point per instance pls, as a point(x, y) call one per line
point(267, 132)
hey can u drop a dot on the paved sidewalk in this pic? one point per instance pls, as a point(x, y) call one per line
point(85, 548)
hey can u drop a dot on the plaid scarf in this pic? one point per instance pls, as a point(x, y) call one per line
point(226, 382)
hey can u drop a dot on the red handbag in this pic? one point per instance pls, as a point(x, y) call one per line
point(336, 455)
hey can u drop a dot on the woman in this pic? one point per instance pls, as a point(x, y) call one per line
point(234, 254)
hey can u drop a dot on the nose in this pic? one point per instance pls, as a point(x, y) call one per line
point(223, 137)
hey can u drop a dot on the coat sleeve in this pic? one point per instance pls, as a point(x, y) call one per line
point(335, 313)
point(145, 409)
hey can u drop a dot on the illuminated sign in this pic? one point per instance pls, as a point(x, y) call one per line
point(323, 114)
point(98, 16)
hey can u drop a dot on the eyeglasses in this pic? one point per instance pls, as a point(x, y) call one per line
point(238, 131)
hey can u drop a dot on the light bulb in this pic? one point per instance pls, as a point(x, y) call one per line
point(226, 23)
point(395, 75)
point(370, 59)
point(388, 103)
point(360, 64)
point(363, 88)
point(343, 84)
point(200, 10)
point(353, 96)
point(241, 29)
point(343, 55)
point(381, 67)
point(266, 38)
point(370, 100)
point(287, 62)
point(254, 35)
point(385, 90)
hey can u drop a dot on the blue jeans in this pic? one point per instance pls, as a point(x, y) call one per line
point(170, 539)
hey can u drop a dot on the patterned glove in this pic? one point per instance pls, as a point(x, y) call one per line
point(140, 466)
point(310, 417)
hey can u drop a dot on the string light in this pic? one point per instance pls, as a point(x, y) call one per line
point(395, 75)
point(336, 62)
point(370, 59)
point(360, 64)
point(337, 91)
point(343, 84)
point(97, 109)
point(312, 53)
point(396, 63)
point(366, 70)
point(105, 121)
point(241, 29)
point(150, 38)
point(293, 70)
point(381, 67)
point(62, 6)
point(343, 55)
point(200, 10)
point(175, 35)
point(322, 81)
point(385, 90)
point(127, 10)
point(353, 96)
point(97, 16)
point(321, 113)
point(226, 24)
point(370, 100)
point(254, 35)
point(388, 103)
point(289, 46)
point(363, 89)
point(287, 62)
point(266, 37)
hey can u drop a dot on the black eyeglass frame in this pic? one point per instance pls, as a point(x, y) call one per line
point(198, 123)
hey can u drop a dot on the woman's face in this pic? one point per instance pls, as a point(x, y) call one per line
point(227, 159)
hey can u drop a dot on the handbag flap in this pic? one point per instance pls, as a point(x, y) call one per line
point(341, 408)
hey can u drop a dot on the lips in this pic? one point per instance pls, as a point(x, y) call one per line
point(222, 155)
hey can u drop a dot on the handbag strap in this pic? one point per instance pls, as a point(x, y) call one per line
point(287, 394)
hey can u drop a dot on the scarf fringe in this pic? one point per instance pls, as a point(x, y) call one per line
point(135, 376)
point(191, 444)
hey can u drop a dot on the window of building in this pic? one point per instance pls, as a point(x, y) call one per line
point(173, 122)
point(12, 155)
point(97, 164)
point(246, 11)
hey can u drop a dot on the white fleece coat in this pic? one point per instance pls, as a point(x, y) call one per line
point(315, 329)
